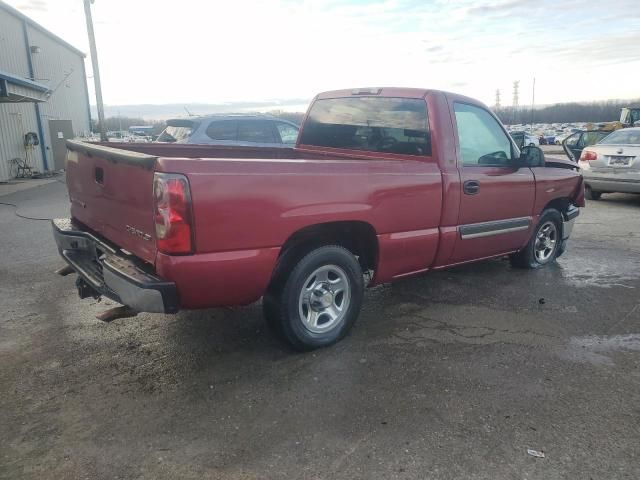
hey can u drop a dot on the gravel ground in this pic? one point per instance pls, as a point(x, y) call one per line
point(451, 375)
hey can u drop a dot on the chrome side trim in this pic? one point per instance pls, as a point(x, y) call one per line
point(497, 227)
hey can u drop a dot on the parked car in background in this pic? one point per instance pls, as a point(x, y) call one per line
point(243, 130)
point(524, 139)
point(576, 142)
point(549, 138)
point(613, 164)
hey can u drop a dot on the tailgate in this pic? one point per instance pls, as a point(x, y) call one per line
point(111, 192)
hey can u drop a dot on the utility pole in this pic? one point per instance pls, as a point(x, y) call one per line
point(497, 100)
point(96, 69)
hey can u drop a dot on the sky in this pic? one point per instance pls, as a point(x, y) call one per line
point(212, 51)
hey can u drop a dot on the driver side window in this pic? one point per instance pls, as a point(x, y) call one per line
point(482, 140)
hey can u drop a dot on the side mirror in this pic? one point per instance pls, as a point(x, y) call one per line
point(531, 156)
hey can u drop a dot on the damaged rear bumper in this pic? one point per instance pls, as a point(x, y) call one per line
point(109, 272)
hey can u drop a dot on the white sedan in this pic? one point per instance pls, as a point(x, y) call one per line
point(612, 164)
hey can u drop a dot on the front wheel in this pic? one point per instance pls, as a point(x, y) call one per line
point(319, 301)
point(545, 245)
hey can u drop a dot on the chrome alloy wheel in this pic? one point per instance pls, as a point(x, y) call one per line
point(546, 241)
point(324, 299)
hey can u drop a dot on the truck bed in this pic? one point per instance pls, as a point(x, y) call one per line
point(248, 201)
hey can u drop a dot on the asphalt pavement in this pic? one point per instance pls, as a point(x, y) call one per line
point(450, 375)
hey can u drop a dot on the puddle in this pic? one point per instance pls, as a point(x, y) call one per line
point(447, 324)
point(597, 349)
point(599, 271)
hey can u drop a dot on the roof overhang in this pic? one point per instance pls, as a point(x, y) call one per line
point(14, 89)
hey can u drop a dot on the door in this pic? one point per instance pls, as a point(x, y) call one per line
point(60, 131)
point(574, 144)
point(497, 197)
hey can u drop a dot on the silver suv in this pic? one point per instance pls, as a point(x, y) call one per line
point(244, 130)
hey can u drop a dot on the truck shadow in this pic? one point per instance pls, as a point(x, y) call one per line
point(210, 336)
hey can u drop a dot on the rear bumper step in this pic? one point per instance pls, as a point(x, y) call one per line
point(109, 272)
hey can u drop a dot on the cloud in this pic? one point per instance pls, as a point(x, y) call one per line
point(33, 5)
point(437, 43)
point(609, 50)
point(434, 48)
point(500, 7)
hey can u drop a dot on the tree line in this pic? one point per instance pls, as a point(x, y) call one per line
point(602, 111)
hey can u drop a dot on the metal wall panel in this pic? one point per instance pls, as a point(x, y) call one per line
point(62, 71)
point(15, 120)
point(67, 101)
point(13, 55)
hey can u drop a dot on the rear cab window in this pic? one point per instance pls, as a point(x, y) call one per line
point(372, 124)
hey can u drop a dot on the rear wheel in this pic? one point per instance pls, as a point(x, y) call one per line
point(591, 194)
point(317, 303)
point(545, 245)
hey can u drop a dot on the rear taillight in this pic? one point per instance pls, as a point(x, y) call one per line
point(588, 156)
point(172, 213)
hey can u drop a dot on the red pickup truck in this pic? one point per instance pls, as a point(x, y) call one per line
point(382, 184)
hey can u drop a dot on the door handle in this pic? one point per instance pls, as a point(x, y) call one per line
point(471, 187)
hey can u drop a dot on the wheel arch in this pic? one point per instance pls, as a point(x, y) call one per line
point(561, 204)
point(357, 236)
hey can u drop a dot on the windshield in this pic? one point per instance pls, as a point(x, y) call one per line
point(173, 134)
point(622, 137)
point(392, 125)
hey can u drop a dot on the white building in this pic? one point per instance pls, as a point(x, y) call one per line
point(43, 90)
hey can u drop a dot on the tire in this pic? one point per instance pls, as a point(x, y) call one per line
point(591, 194)
point(318, 301)
point(545, 244)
